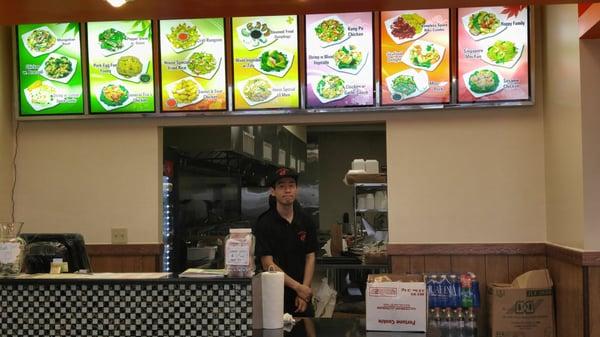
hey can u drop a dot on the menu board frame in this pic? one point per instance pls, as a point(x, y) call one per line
point(372, 57)
point(265, 111)
point(530, 100)
point(450, 53)
point(301, 109)
point(17, 75)
point(226, 40)
point(89, 83)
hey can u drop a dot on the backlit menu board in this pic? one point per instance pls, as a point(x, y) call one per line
point(415, 57)
point(339, 60)
point(265, 62)
point(493, 60)
point(50, 80)
point(121, 70)
point(192, 57)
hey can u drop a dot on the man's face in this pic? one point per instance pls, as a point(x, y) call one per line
point(285, 191)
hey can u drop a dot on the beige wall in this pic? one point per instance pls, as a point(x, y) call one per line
point(88, 177)
point(590, 109)
point(6, 126)
point(468, 176)
point(564, 178)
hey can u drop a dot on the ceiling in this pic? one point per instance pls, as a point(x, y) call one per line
point(38, 11)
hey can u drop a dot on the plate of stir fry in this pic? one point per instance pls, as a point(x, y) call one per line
point(330, 31)
point(57, 67)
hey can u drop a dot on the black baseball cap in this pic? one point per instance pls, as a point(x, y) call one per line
point(282, 172)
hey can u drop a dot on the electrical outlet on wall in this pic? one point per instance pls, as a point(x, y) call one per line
point(118, 236)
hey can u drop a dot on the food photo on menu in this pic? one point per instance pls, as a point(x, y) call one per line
point(493, 60)
point(265, 67)
point(415, 65)
point(339, 63)
point(50, 74)
point(192, 54)
point(120, 66)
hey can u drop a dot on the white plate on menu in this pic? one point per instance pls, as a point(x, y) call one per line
point(134, 79)
point(251, 43)
point(365, 55)
point(324, 100)
point(57, 44)
point(424, 45)
point(325, 44)
point(500, 29)
point(419, 77)
point(388, 28)
point(171, 86)
point(242, 84)
point(107, 107)
point(47, 89)
point(65, 79)
point(281, 73)
point(508, 64)
point(196, 44)
point(477, 94)
point(126, 45)
point(208, 75)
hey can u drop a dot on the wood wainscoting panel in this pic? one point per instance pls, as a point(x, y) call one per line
point(496, 269)
point(132, 258)
point(533, 262)
point(515, 266)
point(400, 264)
point(594, 301)
point(568, 297)
point(417, 264)
point(438, 264)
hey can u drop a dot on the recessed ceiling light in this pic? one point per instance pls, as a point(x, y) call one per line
point(117, 3)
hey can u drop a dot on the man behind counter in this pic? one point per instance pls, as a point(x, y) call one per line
point(286, 239)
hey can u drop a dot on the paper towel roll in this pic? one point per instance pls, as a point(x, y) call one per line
point(272, 299)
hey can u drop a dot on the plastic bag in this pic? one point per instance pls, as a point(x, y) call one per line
point(325, 299)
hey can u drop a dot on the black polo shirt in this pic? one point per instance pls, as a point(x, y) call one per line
point(288, 244)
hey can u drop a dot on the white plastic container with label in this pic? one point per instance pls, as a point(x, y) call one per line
point(239, 253)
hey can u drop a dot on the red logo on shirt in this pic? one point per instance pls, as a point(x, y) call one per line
point(302, 236)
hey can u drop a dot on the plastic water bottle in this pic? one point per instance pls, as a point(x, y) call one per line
point(466, 291)
point(471, 323)
point(431, 291)
point(437, 291)
point(454, 293)
point(445, 291)
point(475, 290)
point(457, 291)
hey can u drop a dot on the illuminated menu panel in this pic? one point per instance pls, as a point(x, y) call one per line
point(339, 60)
point(192, 54)
point(265, 62)
point(493, 55)
point(121, 70)
point(415, 57)
point(50, 78)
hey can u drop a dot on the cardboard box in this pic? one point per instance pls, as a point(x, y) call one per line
point(523, 308)
point(396, 303)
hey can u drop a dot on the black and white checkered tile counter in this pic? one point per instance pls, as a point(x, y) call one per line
point(152, 308)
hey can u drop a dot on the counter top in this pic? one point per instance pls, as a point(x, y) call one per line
point(112, 278)
point(347, 327)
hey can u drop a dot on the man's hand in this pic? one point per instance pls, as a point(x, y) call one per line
point(301, 305)
point(304, 292)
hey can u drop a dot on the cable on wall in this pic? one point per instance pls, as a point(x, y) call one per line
point(14, 162)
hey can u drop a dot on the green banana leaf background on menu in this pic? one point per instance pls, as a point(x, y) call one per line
point(50, 78)
point(121, 69)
